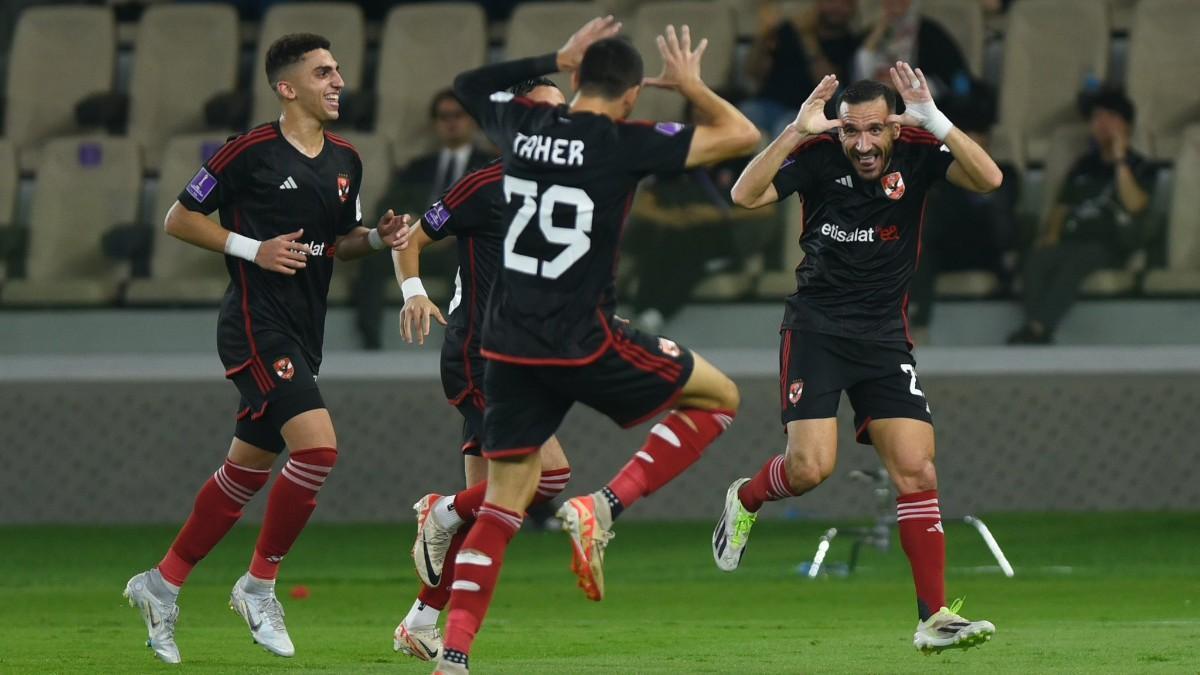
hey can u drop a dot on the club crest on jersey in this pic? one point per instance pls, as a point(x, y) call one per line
point(893, 185)
point(668, 347)
point(795, 391)
point(284, 369)
point(343, 187)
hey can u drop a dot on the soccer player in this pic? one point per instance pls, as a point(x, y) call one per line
point(289, 192)
point(845, 328)
point(471, 211)
point(550, 335)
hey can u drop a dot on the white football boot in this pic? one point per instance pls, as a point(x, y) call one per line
point(733, 530)
point(423, 642)
point(146, 592)
point(947, 630)
point(433, 541)
point(263, 614)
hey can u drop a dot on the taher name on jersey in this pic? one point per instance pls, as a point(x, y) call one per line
point(557, 151)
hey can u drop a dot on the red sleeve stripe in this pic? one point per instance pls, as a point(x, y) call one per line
point(338, 140)
point(483, 178)
point(231, 150)
point(911, 135)
point(810, 142)
point(469, 184)
point(228, 147)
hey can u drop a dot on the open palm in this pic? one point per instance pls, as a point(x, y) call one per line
point(811, 119)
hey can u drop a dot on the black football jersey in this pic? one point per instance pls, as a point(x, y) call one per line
point(568, 182)
point(265, 187)
point(861, 239)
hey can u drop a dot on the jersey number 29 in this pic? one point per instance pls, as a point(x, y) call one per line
point(575, 238)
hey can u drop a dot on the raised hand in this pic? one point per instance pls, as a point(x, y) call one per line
point(282, 254)
point(571, 53)
point(681, 65)
point(415, 318)
point(811, 119)
point(914, 91)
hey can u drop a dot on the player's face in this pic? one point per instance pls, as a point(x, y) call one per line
point(550, 95)
point(316, 84)
point(867, 137)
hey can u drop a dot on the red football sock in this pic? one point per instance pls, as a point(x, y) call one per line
point(921, 535)
point(218, 507)
point(768, 485)
point(293, 499)
point(477, 569)
point(437, 596)
point(552, 482)
point(672, 446)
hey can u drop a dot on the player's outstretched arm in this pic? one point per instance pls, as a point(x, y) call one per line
point(474, 87)
point(418, 308)
point(754, 188)
point(973, 169)
point(725, 132)
point(388, 233)
point(283, 254)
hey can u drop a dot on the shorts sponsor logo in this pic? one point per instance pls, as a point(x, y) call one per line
point(284, 369)
point(437, 215)
point(795, 391)
point(893, 185)
point(668, 347)
point(201, 185)
point(343, 183)
point(668, 128)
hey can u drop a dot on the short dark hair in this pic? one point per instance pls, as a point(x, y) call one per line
point(1112, 99)
point(523, 88)
point(288, 50)
point(446, 94)
point(867, 90)
point(609, 68)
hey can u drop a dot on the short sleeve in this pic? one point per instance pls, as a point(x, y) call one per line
point(465, 206)
point(352, 216)
point(799, 171)
point(656, 147)
point(938, 161)
point(215, 185)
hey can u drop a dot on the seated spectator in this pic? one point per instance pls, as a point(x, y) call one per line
point(791, 54)
point(965, 230)
point(1094, 225)
point(414, 188)
point(689, 220)
point(902, 34)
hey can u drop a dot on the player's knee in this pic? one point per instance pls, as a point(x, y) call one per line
point(917, 476)
point(727, 395)
point(805, 473)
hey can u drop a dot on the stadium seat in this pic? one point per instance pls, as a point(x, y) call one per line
point(778, 284)
point(340, 22)
point(86, 185)
point(60, 55)
point(1182, 275)
point(730, 286)
point(8, 204)
point(966, 284)
point(964, 22)
point(1051, 49)
point(1161, 60)
point(180, 273)
point(712, 20)
point(185, 55)
point(538, 28)
point(423, 47)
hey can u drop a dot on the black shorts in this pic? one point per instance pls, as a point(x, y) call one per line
point(637, 377)
point(471, 408)
point(462, 369)
point(276, 384)
point(880, 379)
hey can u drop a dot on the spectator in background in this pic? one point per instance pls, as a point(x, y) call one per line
point(966, 230)
point(1095, 223)
point(902, 34)
point(791, 54)
point(418, 185)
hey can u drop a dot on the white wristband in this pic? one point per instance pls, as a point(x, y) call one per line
point(242, 247)
point(939, 125)
point(412, 286)
point(374, 239)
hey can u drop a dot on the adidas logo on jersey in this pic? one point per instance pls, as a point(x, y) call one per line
point(845, 181)
point(289, 184)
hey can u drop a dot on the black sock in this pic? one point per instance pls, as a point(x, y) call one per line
point(614, 503)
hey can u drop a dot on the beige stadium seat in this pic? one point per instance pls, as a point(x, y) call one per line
point(1051, 48)
point(85, 186)
point(776, 285)
point(423, 48)
point(185, 55)
point(964, 22)
point(8, 202)
point(180, 272)
point(538, 28)
point(1182, 275)
point(712, 20)
point(1162, 72)
point(966, 284)
point(60, 55)
point(340, 22)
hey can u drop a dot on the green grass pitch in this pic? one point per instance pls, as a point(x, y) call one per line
point(1094, 593)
